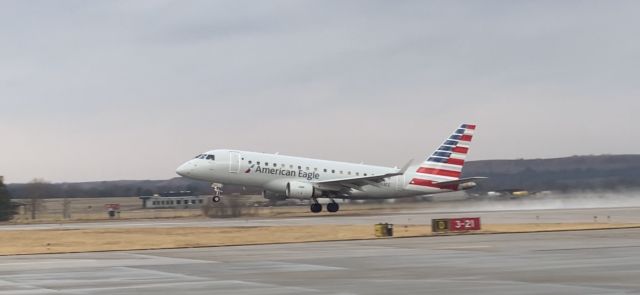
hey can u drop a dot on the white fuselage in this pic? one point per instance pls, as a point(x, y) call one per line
point(272, 172)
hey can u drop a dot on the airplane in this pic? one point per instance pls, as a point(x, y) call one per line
point(282, 177)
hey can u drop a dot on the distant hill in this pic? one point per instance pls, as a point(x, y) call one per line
point(605, 172)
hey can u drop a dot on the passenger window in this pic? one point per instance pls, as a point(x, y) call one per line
point(357, 173)
point(315, 169)
point(340, 171)
point(333, 171)
point(266, 163)
point(299, 167)
point(291, 166)
point(258, 163)
point(283, 165)
point(325, 170)
point(349, 172)
point(249, 161)
point(307, 168)
point(365, 174)
point(275, 165)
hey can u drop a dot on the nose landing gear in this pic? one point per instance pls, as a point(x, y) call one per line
point(217, 192)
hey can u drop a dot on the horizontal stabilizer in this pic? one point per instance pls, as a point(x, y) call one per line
point(460, 181)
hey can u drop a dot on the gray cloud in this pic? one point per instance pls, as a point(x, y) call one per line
point(121, 89)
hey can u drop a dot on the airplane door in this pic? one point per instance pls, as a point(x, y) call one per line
point(234, 162)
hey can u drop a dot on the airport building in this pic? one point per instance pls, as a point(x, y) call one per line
point(176, 200)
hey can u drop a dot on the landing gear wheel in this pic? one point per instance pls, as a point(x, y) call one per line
point(333, 207)
point(316, 207)
point(217, 191)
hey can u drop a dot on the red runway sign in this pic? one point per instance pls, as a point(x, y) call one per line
point(455, 224)
point(464, 224)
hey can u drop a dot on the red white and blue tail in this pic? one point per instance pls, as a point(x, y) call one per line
point(443, 168)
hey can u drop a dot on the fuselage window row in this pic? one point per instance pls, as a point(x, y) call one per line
point(299, 167)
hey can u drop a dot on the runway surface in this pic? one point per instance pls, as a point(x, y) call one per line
point(582, 262)
point(422, 216)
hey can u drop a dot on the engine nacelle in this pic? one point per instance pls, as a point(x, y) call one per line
point(467, 185)
point(273, 196)
point(301, 190)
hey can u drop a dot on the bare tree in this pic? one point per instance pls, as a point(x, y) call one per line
point(7, 207)
point(37, 190)
point(207, 207)
point(66, 208)
point(232, 206)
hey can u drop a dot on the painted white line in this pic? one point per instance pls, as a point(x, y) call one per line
point(464, 247)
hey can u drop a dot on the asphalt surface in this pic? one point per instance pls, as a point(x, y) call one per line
point(422, 216)
point(580, 262)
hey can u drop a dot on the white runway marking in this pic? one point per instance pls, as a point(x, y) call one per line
point(464, 247)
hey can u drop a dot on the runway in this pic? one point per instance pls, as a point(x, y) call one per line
point(582, 262)
point(418, 216)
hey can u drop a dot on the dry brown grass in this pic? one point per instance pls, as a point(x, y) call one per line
point(83, 240)
point(58, 241)
point(93, 209)
point(535, 227)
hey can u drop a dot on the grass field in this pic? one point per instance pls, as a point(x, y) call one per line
point(93, 209)
point(63, 241)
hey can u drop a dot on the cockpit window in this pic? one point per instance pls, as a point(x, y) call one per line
point(211, 157)
point(198, 156)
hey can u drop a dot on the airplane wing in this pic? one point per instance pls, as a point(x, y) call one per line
point(346, 184)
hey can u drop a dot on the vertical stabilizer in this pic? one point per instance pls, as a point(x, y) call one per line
point(445, 164)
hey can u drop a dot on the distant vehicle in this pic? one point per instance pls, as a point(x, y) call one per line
point(284, 177)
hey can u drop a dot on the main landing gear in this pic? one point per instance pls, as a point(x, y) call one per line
point(217, 192)
point(331, 207)
point(316, 207)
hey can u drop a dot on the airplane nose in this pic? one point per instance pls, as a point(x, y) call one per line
point(184, 169)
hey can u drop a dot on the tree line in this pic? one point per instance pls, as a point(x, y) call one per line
point(125, 188)
point(8, 208)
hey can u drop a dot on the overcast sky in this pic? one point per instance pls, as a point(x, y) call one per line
point(106, 90)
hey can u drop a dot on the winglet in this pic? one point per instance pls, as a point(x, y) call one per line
point(405, 167)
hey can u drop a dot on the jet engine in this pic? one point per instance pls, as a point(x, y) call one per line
point(301, 190)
